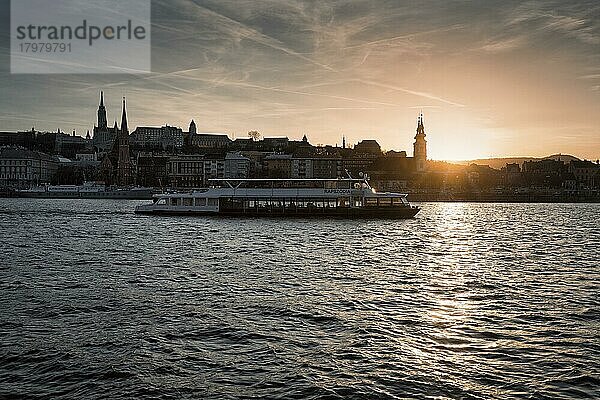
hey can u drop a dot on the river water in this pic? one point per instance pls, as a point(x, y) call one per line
point(464, 301)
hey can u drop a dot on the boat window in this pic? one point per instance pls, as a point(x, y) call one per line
point(357, 202)
point(162, 202)
point(174, 201)
point(213, 202)
point(343, 202)
point(188, 201)
point(385, 202)
point(399, 201)
point(371, 201)
point(200, 201)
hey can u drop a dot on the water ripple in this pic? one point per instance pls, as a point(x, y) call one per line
point(466, 301)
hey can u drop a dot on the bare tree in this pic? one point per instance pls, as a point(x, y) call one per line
point(254, 135)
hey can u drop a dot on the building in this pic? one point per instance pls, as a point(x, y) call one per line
point(157, 138)
point(368, 147)
point(327, 167)
point(213, 169)
point(116, 167)
point(104, 136)
point(210, 141)
point(125, 175)
point(420, 147)
point(275, 143)
point(23, 168)
point(69, 145)
point(22, 139)
point(237, 166)
point(358, 162)
point(548, 166)
point(151, 170)
point(189, 135)
point(86, 157)
point(586, 174)
point(278, 165)
point(186, 171)
point(302, 168)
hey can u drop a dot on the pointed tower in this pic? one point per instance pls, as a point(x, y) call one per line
point(420, 146)
point(343, 141)
point(102, 123)
point(192, 129)
point(124, 167)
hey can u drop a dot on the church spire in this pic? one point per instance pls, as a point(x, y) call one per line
point(420, 146)
point(124, 167)
point(102, 123)
point(124, 127)
point(420, 127)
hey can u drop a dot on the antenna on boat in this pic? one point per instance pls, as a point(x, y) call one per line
point(348, 173)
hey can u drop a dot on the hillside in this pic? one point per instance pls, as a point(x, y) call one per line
point(498, 163)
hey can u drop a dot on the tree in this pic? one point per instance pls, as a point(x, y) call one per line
point(254, 135)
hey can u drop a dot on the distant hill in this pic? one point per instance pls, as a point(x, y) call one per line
point(498, 163)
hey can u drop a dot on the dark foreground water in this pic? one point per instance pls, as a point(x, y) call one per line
point(464, 301)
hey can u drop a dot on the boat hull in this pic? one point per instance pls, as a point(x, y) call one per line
point(109, 195)
point(387, 213)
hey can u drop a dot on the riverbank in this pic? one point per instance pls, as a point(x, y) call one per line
point(504, 197)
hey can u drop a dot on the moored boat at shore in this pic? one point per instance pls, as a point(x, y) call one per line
point(343, 197)
point(86, 191)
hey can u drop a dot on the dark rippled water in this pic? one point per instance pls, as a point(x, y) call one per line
point(464, 301)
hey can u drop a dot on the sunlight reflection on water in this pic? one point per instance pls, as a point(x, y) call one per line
point(466, 300)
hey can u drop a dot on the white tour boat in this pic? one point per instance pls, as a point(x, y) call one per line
point(342, 197)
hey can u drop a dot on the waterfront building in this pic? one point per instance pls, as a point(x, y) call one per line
point(22, 168)
point(327, 167)
point(278, 165)
point(151, 169)
point(586, 173)
point(302, 168)
point(186, 171)
point(356, 163)
point(321, 167)
point(213, 169)
point(237, 166)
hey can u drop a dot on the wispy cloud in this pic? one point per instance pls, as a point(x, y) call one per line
point(354, 66)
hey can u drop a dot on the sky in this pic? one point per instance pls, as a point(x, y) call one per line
point(493, 79)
